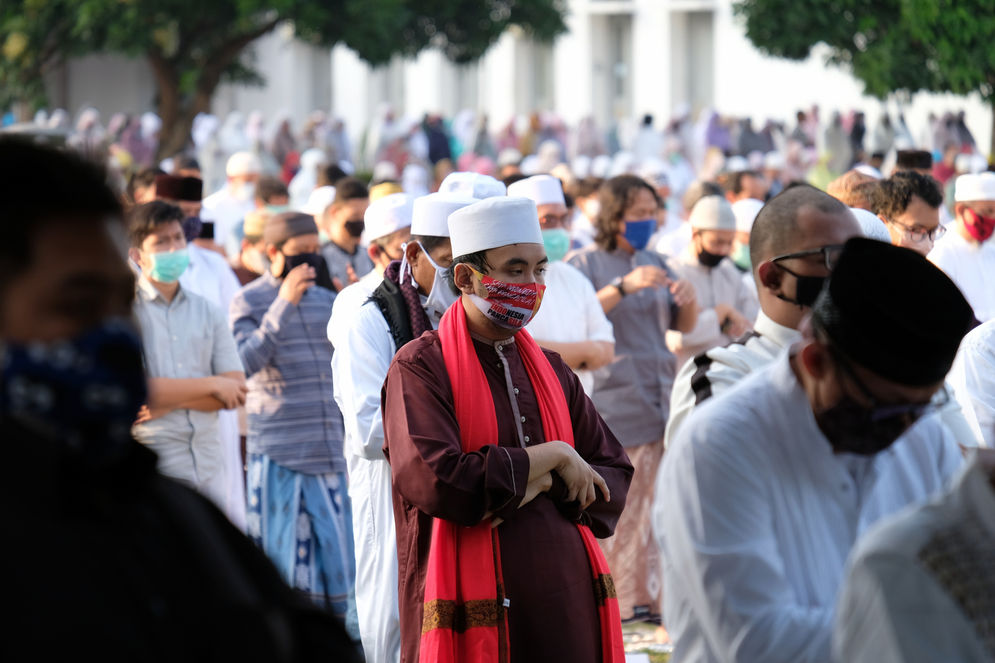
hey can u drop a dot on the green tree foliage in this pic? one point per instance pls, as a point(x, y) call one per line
point(889, 45)
point(194, 45)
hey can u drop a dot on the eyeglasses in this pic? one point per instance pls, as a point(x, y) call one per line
point(909, 412)
point(919, 235)
point(830, 255)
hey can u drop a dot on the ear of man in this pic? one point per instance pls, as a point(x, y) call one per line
point(815, 359)
point(770, 276)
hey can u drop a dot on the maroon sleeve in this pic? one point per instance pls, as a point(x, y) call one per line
point(422, 443)
point(596, 444)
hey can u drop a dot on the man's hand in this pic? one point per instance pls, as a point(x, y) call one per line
point(731, 322)
point(683, 292)
point(296, 283)
point(644, 276)
point(351, 274)
point(229, 391)
point(535, 488)
point(580, 478)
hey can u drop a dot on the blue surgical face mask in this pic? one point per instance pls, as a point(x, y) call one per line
point(638, 233)
point(84, 392)
point(557, 243)
point(167, 266)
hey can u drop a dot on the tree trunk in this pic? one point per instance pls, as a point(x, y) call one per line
point(991, 141)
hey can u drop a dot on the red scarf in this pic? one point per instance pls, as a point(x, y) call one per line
point(464, 612)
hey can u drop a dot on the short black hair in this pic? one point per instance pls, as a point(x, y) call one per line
point(330, 175)
point(143, 177)
point(44, 186)
point(476, 260)
point(733, 182)
point(429, 242)
point(914, 160)
point(144, 220)
point(350, 188)
point(269, 187)
point(891, 197)
point(186, 163)
point(776, 227)
point(508, 180)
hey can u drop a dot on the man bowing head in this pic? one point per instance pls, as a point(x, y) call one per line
point(503, 472)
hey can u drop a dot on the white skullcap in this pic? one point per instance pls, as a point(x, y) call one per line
point(530, 165)
point(736, 164)
point(509, 156)
point(388, 214)
point(624, 163)
point(494, 222)
point(654, 171)
point(746, 211)
point(870, 171)
point(974, 187)
point(313, 158)
point(962, 163)
point(540, 189)
point(601, 165)
point(712, 213)
point(430, 214)
point(243, 163)
point(870, 225)
point(384, 170)
point(774, 161)
point(581, 166)
point(472, 185)
point(319, 200)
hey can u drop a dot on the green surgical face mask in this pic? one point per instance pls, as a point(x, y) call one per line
point(557, 243)
point(741, 257)
point(168, 265)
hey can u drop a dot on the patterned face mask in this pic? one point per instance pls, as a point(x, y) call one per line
point(508, 305)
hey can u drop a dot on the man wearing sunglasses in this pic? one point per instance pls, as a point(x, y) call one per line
point(794, 243)
point(765, 489)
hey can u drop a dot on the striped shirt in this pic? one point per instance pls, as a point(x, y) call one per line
point(291, 414)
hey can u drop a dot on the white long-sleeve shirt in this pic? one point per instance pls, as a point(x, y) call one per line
point(570, 312)
point(920, 587)
point(972, 267)
point(973, 380)
point(755, 516)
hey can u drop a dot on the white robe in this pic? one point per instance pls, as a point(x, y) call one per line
point(973, 380)
point(722, 284)
point(910, 578)
point(364, 349)
point(972, 267)
point(570, 312)
point(226, 212)
point(210, 277)
point(755, 516)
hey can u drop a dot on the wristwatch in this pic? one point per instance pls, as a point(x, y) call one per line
point(617, 284)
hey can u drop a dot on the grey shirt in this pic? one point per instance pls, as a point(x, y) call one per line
point(185, 338)
point(632, 393)
point(338, 259)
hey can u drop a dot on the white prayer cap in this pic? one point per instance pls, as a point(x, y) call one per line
point(472, 185)
point(494, 222)
point(654, 171)
point(509, 156)
point(581, 166)
point(540, 189)
point(712, 213)
point(746, 211)
point(430, 214)
point(962, 163)
point(774, 161)
point(870, 225)
point(243, 163)
point(974, 187)
point(388, 214)
point(601, 165)
point(319, 200)
point(384, 170)
point(736, 164)
point(313, 158)
point(870, 171)
point(624, 163)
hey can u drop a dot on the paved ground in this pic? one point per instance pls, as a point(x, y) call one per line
point(646, 638)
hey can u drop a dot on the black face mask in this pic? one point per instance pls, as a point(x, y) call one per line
point(709, 259)
point(807, 288)
point(315, 260)
point(355, 228)
point(853, 428)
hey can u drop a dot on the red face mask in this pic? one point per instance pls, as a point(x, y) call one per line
point(979, 227)
point(508, 305)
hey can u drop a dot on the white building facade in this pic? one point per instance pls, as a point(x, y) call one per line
point(619, 59)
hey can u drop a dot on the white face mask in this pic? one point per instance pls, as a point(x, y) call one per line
point(441, 296)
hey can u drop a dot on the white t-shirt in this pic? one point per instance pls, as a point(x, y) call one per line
point(972, 267)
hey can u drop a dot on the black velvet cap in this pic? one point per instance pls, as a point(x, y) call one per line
point(893, 312)
point(281, 227)
point(172, 187)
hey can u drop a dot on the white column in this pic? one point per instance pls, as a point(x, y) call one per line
point(497, 82)
point(573, 90)
point(651, 61)
point(351, 92)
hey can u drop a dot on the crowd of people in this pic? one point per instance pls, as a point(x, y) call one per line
point(489, 396)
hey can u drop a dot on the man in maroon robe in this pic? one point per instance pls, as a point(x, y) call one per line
point(535, 491)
